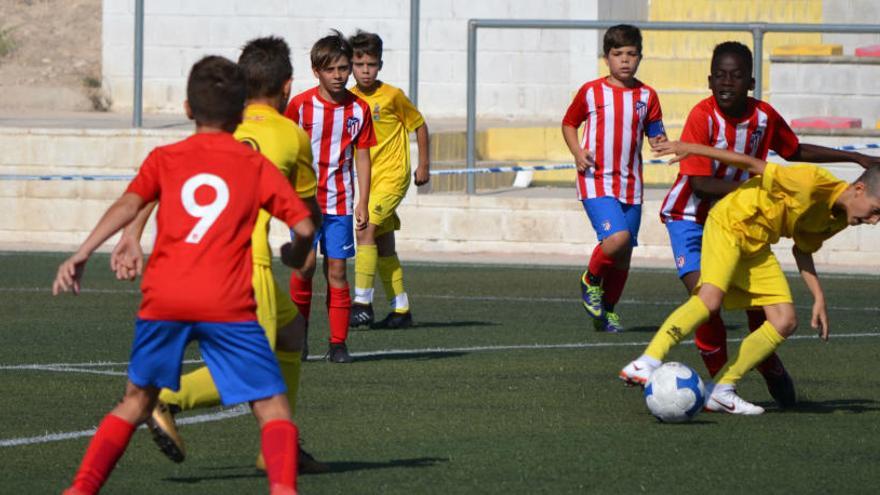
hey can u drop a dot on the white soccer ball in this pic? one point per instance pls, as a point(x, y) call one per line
point(674, 393)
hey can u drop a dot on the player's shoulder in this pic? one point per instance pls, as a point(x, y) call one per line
point(304, 96)
point(765, 107)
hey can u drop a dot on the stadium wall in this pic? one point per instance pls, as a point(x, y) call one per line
point(526, 74)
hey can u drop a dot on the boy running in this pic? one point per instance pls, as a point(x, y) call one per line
point(340, 128)
point(618, 110)
point(269, 75)
point(730, 119)
point(394, 117)
point(197, 285)
point(802, 202)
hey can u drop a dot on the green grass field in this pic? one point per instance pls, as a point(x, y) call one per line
point(501, 388)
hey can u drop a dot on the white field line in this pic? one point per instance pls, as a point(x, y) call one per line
point(241, 410)
point(453, 297)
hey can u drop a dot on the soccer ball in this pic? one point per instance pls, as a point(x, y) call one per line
point(674, 393)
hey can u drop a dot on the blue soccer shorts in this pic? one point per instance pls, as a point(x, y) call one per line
point(237, 354)
point(609, 216)
point(335, 236)
point(686, 238)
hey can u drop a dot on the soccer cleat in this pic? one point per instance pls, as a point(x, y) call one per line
point(592, 298)
point(395, 321)
point(726, 400)
point(164, 429)
point(361, 315)
point(338, 353)
point(305, 464)
point(781, 388)
point(636, 373)
point(612, 323)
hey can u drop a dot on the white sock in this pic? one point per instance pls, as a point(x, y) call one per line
point(363, 296)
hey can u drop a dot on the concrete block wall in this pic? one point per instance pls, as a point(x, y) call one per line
point(851, 12)
point(522, 73)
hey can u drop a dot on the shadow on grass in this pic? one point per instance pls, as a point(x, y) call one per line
point(641, 329)
point(335, 467)
point(855, 406)
point(420, 325)
point(403, 355)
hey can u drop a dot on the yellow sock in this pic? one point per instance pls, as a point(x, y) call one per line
point(290, 364)
point(197, 390)
point(754, 349)
point(392, 279)
point(677, 326)
point(365, 261)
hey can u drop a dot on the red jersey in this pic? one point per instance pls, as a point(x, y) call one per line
point(210, 188)
point(335, 130)
point(616, 119)
point(761, 130)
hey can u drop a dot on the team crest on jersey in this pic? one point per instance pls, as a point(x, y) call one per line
point(641, 109)
point(606, 225)
point(755, 140)
point(679, 262)
point(376, 111)
point(353, 125)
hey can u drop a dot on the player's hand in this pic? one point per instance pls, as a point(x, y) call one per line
point(127, 258)
point(69, 274)
point(361, 216)
point(584, 160)
point(676, 148)
point(654, 141)
point(422, 175)
point(819, 321)
point(867, 161)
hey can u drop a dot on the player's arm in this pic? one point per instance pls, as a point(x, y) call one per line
point(423, 140)
point(293, 254)
point(583, 158)
point(364, 167)
point(822, 154)
point(127, 258)
point(807, 269)
point(120, 213)
point(711, 187)
point(681, 149)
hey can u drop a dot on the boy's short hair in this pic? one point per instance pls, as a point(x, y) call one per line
point(216, 91)
point(622, 35)
point(871, 179)
point(266, 65)
point(364, 43)
point(329, 48)
point(734, 48)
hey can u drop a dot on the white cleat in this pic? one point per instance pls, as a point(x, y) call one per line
point(636, 373)
point(726, 400)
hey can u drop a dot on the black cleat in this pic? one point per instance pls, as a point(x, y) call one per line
point(361, 315)
point(307, 464)
point(338, 353)
point(781, 388)
point(396, 320)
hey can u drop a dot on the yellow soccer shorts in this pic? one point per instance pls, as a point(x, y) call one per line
point(748, 281)
point(383, 211)
point(274, 308)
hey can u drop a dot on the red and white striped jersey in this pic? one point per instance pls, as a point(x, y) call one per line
point(335, 131)
point(616, 119)
point(762, 129)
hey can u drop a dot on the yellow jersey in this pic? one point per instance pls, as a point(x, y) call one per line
point(796, 201)
point(287, 146)
point(394, 117)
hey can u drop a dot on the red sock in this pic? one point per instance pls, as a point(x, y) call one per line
point(338, 312)
point(771, 366)
point(613, 283)
point(599, 262)
point(301, 295)
point(104, 450)
point(711, 339)
point(279, 444)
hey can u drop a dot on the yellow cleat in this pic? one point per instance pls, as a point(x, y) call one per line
point(164, 429)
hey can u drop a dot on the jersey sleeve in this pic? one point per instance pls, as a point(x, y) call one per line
point(304, 155)
point(783, 140)
point(577, 110)
point(146, 183)
point(292, 111)
point(278, 197)
point(408, 114)
point(367, 136)
point(696, 130)
point(654, 120)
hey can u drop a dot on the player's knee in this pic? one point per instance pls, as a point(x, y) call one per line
point(137, 403)
point(271, 409)
point(785, 324)
point(618, 245)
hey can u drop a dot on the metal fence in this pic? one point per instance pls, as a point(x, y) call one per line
point(758, 31)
